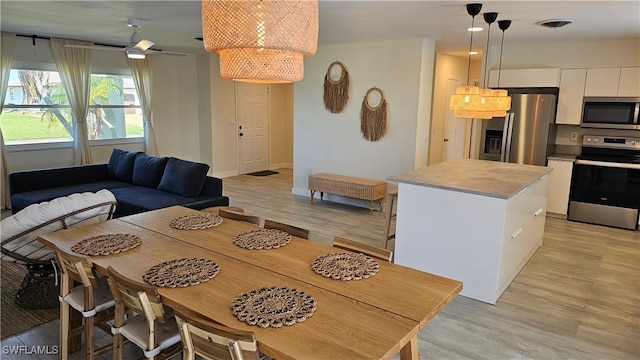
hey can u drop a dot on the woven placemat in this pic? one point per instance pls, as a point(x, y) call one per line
point(196, 221)
point(273, 307)
point(107, 244)
point(181, 272)
point(345, 266)
point(263, 239)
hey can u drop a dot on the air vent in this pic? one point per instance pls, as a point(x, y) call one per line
point(554, 23)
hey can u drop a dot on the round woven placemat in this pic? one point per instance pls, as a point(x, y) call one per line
point(273, 307)
point(345, 266)
point(196, 221)
point(107, 244)
point(181, 272)
point(262, 239)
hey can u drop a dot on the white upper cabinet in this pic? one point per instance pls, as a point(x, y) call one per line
point(519, 78)
point(629, 82)
point(613, 82)
point(572, 83)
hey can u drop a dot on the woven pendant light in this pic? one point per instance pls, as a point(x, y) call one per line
point(261, 41)
point(471, 102)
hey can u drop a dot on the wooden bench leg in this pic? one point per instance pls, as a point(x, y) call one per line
point(312, 193)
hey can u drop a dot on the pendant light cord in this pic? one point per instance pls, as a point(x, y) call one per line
point(473, 18)
point(486, 58)
point(500, 65)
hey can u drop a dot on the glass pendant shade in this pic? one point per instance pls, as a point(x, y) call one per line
point(261, 41)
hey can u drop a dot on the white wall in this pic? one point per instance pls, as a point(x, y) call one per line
point(176, 93)
point(326, 142)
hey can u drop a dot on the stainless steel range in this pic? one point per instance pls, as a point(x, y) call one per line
point(605, 185)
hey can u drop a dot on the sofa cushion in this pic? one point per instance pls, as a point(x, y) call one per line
point(21, 200)
point(183, 177)
point(148, 170)
point(120, 165)
point(137, 199)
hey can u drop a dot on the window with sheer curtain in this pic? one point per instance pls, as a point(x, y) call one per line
point(36, 109)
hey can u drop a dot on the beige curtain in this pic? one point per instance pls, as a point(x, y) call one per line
point(74, 67)
point(8, 42)
point(142, 76)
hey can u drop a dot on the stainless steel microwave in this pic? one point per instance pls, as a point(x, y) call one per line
point(611, 113)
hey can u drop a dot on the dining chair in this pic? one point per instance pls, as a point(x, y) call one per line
point(229, 214)
point(151, 327)
point(92, 298)
point(355, 246)
point(293, 230)
point(211, 340)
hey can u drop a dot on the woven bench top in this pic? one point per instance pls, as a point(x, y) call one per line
point(346, 179)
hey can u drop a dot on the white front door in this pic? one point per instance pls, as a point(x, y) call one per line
point(453, 144)
point(253, 126)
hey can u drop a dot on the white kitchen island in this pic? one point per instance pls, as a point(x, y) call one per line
point(471, 220)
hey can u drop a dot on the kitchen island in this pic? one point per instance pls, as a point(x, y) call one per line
point(471, 220)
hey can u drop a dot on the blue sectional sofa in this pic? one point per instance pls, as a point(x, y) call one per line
point(139, 182)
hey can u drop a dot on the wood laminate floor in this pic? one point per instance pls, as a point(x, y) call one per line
point(577, 298)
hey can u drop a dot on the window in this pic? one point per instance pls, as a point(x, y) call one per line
point(36, 108)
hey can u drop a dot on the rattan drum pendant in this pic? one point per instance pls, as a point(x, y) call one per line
point(261, 41)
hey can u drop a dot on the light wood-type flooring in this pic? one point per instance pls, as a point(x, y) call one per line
point(577, 298)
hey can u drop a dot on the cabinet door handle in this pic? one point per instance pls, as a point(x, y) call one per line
point(537, 213)
point(516, 233)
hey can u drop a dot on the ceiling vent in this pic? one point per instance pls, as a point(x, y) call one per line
point(554, 23)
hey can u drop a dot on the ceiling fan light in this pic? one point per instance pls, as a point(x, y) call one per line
point(261, 41)
point(135, 54)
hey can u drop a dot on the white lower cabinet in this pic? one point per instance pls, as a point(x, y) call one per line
point(480, 240)
point(559, 185)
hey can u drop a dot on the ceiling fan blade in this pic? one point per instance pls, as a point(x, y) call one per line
point(96, 47)
point(162, 52)
point(143, 44)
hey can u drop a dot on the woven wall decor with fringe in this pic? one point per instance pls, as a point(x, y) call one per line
point(336, 92)
point(373, 120)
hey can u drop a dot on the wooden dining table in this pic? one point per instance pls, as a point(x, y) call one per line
point(373, 318)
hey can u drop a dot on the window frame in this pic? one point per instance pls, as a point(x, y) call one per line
point(63, 144)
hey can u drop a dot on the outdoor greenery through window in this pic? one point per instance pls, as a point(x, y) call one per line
point(36, 108)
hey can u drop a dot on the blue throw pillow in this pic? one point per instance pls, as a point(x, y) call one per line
point(120, 166)
point(148, 170)
point(183, 177)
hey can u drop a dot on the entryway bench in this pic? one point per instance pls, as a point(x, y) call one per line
point(364, 189)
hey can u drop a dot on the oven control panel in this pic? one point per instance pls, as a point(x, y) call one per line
point(614, 142)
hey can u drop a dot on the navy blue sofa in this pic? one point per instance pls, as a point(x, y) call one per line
point(139, 182)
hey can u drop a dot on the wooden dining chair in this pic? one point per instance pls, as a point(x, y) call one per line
point(211, 340)
point(92, 298)
point(151, 327)
point(355, 246)
point(229, 214)
point(293, 230)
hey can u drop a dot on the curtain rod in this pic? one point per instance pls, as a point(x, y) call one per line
point(34, 37)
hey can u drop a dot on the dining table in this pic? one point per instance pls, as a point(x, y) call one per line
point(371, 318)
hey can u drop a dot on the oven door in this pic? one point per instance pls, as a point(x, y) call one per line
point(605, 193)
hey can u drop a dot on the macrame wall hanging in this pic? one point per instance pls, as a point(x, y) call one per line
point(373, 120)
point(336, 92)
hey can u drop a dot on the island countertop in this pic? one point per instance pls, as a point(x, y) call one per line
point(482, 177)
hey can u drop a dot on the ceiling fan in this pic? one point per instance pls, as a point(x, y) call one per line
point(137, 48)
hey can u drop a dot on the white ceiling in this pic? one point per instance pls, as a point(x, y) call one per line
point(172, 25)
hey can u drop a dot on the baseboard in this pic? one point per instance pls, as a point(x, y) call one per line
point(281, 166)
point(224, 174)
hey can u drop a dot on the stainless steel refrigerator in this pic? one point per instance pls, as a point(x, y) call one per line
point(527, 134)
